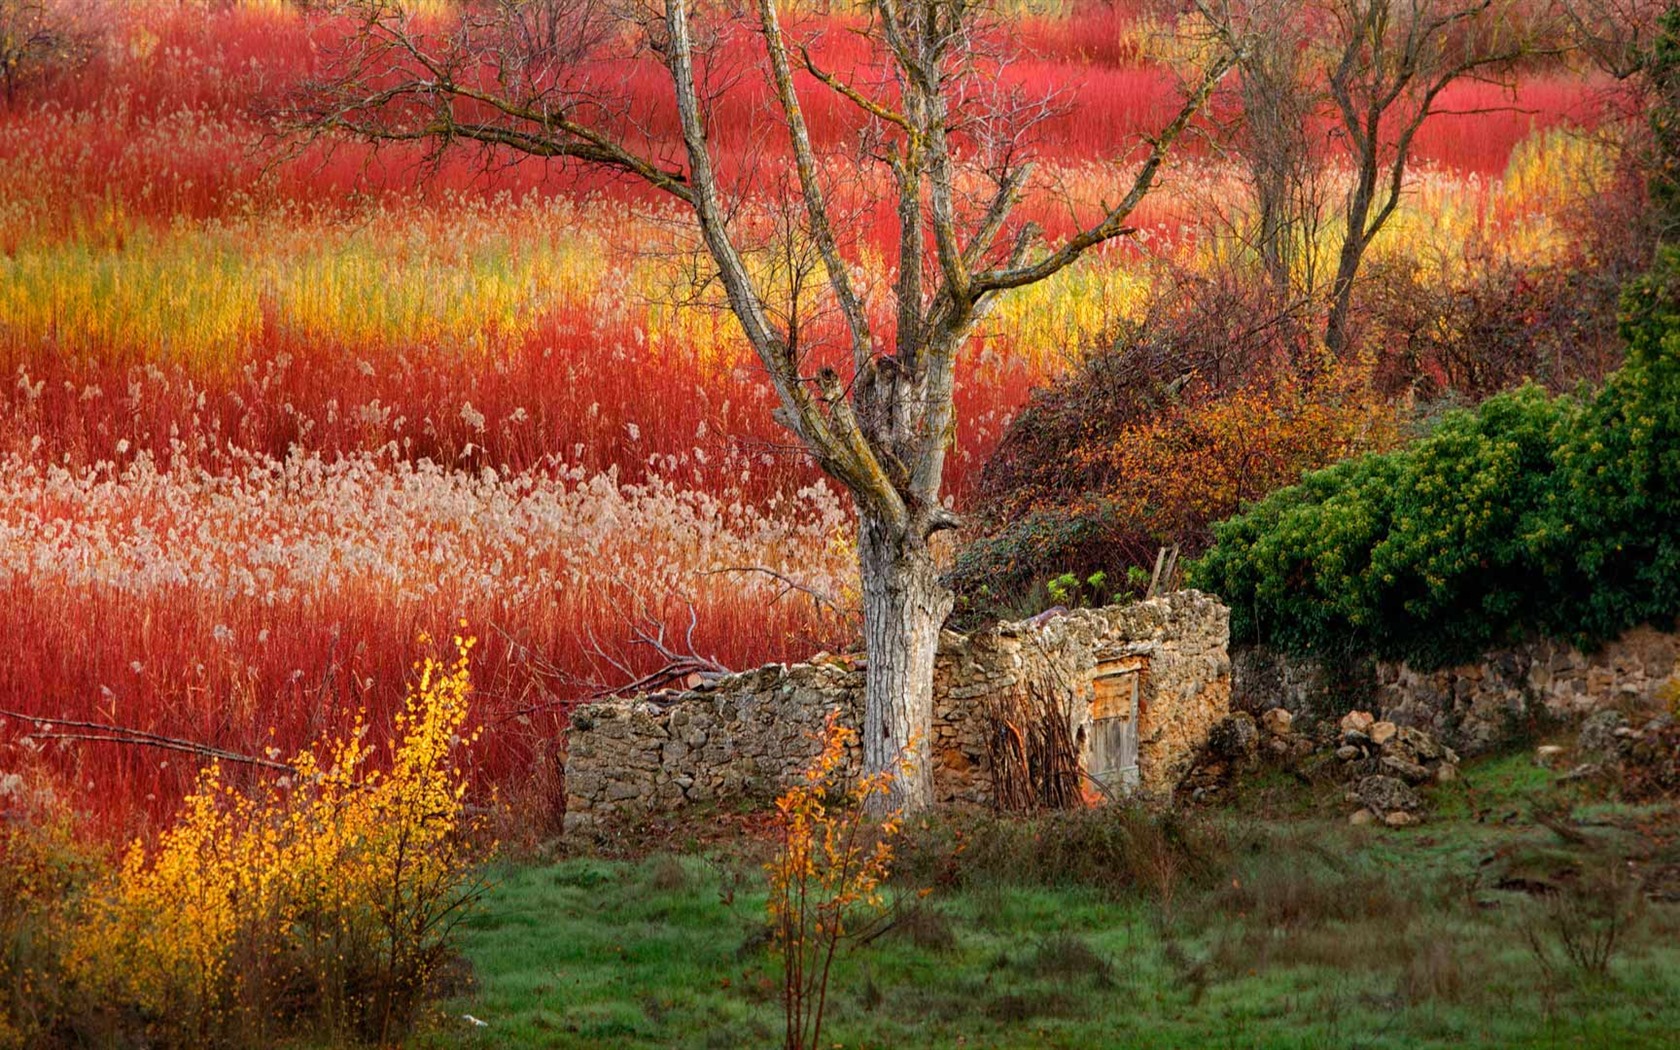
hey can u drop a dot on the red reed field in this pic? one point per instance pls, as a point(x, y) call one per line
point(268, 414)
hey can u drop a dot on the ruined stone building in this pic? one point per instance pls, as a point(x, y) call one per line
point(1091, 703)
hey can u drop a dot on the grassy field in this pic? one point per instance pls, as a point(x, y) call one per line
point(1273, 924)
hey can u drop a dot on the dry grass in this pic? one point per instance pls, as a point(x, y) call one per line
point(259, 607)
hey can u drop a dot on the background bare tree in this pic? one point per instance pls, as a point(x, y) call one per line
point(1617, 36)
point(1279, 141)
point(34, 37)
point(870, 400)
point(1637, 42)
point(1330, 82)
point(1389, 61)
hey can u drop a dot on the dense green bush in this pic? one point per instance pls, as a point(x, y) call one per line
point(1531, 514)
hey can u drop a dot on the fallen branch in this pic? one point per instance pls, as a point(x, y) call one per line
point(104, 732)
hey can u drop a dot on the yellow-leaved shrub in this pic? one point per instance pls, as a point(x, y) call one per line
point(321, 901)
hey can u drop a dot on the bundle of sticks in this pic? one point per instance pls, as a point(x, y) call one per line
point(1029, 741)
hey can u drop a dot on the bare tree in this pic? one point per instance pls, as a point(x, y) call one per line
point(33, 36)
point(1389, 62)
point(1617, 36)
point(1279, 142)
point(546, 78)
point(1637, 42)
point(1355, 78)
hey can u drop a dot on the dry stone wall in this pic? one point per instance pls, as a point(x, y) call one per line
point(1478, 706)
point(746, 736)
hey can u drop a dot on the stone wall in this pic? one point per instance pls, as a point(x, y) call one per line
point(746, 736)
point(1473, 707)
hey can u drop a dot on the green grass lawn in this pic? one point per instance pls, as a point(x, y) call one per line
point(1287, 931)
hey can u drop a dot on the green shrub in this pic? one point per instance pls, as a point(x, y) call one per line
point(1007, 576)
point(1530, 514)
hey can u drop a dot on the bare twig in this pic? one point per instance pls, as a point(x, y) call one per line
point(789, 583)
point(103, 732)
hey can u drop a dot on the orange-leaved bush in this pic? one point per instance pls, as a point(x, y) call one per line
point(826, 875)
point(324, 900)
point(1215, 400)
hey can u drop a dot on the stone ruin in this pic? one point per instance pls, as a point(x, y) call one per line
point(1480, 706)
point(1088, 704)
point(1404, 728)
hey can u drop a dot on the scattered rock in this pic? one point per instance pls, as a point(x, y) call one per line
point(1584, 771)
point(1446, 773)
point(1357, 721)
point(1415, 745)
point(1385, 794)
point(1652, 768)
point(1604, 737)
point(1278, 722)
point(1547, 756)
point(1361, 817)
point(1410, 772)
point(1382, 732)
point(1348, 753)
point(1400, 819)
point(1234, 737)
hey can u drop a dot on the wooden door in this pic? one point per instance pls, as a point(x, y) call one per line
point(1113, 758)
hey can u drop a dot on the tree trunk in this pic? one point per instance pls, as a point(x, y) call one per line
point(1355, 239)
point(904, 607)
point(1337, 334)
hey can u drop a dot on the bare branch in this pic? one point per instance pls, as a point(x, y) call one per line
point(805, 161)
point(103, 732)
point(1114, 223)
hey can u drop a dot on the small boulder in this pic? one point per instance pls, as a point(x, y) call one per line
point(1356, 721)
point(1584, 771)
point(1410, 772)
point(1446, 773)
point(1278, 722)
point(1400, 819)
point(1347, 753)
point(1382, 732)
point(1361, 817)
point(1604, 737)
point(1385, 794)
point(1652, 768)
point(1415, 745)
point(1235, 737)
point(1547, 756)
